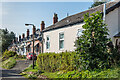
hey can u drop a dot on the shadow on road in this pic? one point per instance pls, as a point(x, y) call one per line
point(10, 73)
point(13, 74)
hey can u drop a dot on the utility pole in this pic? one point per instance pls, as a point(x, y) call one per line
point(33, 44)
point(33, 41)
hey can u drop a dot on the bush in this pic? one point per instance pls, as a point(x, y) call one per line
point(8, 54)
point(52, 62)
point(92, 44)
point(20, 56)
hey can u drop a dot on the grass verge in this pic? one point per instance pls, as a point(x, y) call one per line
point(106, 73)
point(9, 63)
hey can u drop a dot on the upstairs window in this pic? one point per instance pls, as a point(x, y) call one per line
point(47, 42)
point(79, 32)
point(61, 40)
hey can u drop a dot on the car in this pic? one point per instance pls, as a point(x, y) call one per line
point(30, 56)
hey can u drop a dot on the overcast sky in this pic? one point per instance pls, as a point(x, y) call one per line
point(16, 14)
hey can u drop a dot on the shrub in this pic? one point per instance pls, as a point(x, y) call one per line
point(8, 54)
point(20, 56)
point(92, 44)
point(55, 62)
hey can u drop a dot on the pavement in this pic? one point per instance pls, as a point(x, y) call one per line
point(14, 73)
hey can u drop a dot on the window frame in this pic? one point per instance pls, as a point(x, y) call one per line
point(61, 40)
point(48, 42)
point(78, 32)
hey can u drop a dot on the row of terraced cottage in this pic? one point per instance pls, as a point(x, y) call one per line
point(61, 35)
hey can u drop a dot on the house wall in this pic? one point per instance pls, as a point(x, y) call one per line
point(70, 35)
point(112, 23)
point(39, 50)
point(119, 19)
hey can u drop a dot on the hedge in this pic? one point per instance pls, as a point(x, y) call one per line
point(52, 62)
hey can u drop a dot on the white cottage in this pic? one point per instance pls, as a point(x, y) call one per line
point(61, 36)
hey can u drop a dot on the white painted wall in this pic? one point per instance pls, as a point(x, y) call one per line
point(112, 23)
point(119, 19)
point(70, 35)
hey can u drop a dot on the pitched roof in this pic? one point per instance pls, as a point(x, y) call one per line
point(117, 35)
point(77, 18)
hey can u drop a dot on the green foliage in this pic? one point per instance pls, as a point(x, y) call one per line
point(107, 73)
point(97, 2)
point(31, 76)
point(6, 39)
point(92, 45)
point(52, 62)
point(9, 63)
point(8, 54)
point(95, 74)
point(20, 56)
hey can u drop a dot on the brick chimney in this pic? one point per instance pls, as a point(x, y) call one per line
point(28, 33)
point(34, 29)
point(42, 26)
point(19, 38)
point(55, 18)
point(23, 36)
point(16, 40)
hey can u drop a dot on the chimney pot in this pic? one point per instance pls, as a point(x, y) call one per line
point(34, 29)
point(27, 33)
point(42, 26)
point(16, 40)
point(19, 38)
point(55, 18)
point(23, 35)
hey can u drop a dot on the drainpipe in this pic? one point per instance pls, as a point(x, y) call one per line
point(104, 12)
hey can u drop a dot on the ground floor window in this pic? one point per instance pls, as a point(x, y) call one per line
point(48, 42)
point(61, 40)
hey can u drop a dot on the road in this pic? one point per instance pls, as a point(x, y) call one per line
point(13, 74)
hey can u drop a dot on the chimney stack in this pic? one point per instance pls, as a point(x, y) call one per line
point(27, 33)
point(42, 26)
point(55, 18)
point(34, 29)
point(23, 36)
point(16, 40)
point(19, 38)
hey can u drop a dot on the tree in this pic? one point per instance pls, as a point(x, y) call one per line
point(98, 2)
point(92, 44)
point(6, 39)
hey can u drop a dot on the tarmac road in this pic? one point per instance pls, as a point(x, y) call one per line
point(13, 74)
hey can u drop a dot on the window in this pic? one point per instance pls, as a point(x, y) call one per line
point(79, 33)
point(48, 42)
point(61, 40)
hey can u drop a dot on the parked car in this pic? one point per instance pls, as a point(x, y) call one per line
point(30, 55)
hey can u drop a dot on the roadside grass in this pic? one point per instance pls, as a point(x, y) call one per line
point(9, 63)
point(106, 73)
point(50, 74)
point(0, 61)
point(20, 57)
point(28, 72)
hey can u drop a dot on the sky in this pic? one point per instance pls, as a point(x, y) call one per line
point(16, 14)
